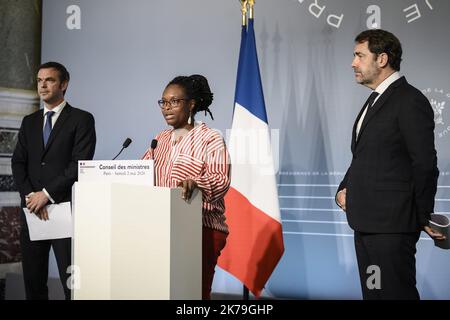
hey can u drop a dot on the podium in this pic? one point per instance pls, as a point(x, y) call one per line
point(135, 242)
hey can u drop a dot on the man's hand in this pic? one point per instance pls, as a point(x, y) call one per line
point(341, 197)
point(42, 213)
point(36, 201)
point(434, 234)
point(188, 187)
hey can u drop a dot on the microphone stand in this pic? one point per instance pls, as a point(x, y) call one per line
point(118, 153)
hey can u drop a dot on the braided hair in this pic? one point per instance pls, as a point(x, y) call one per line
point(196, 87)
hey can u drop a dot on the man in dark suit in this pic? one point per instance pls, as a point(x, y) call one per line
point(45, 166)
point(388, 191)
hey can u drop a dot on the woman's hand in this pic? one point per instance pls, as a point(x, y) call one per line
point(187, 187)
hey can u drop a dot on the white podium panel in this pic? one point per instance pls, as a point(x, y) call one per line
point(118, 171)
point(136, 242)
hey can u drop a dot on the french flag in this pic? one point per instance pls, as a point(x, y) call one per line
point(255, 243)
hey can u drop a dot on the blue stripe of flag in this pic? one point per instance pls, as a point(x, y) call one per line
point(249, 92)
point(241, 58)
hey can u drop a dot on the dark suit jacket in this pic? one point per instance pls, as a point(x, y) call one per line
point(392, 179)
point(54, 167)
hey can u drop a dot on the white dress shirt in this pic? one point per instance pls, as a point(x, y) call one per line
point(58, 109)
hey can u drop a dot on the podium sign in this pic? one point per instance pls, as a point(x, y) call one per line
point(133, 240)
point(137, 172)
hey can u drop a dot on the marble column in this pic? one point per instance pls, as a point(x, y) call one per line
point(20, 48)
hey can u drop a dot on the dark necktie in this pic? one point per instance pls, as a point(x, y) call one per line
point(369, 104)
point(371, 99)
point(48, 126)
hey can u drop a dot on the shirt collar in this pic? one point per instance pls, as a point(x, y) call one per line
point(56, 109)
point(387, 82)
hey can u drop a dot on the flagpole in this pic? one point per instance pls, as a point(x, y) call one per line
point(244, 12)
point(251, 3)
point(245, 293)
point(244, 3)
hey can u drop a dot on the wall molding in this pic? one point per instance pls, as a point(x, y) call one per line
point(10, 199)
point(15, 104)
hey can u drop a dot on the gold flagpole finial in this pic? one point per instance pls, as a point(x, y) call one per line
point(251, 3)
point(244, 11)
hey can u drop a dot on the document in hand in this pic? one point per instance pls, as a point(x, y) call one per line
point(441, 223)
point(59, 224)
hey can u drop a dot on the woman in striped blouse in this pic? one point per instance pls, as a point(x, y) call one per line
point(190, 156)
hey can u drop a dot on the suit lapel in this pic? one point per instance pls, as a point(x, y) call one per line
point(355, 125)
point(37, 130)
point(58, 125)
point(375, 108)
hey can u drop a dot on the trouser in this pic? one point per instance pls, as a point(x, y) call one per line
point(213, 242)
point(387, 265)
point(35, 256)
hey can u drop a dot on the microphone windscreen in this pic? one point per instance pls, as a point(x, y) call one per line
point(154, 144)
point(126, 143)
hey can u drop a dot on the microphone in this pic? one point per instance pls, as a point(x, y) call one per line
point(154, 144)
point(153, 147)
point(125, 144)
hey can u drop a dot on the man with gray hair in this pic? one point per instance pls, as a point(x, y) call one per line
point(388, 191)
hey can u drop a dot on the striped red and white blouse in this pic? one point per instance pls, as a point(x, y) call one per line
point(200, 155)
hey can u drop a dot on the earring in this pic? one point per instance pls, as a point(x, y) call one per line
point(190, 118)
